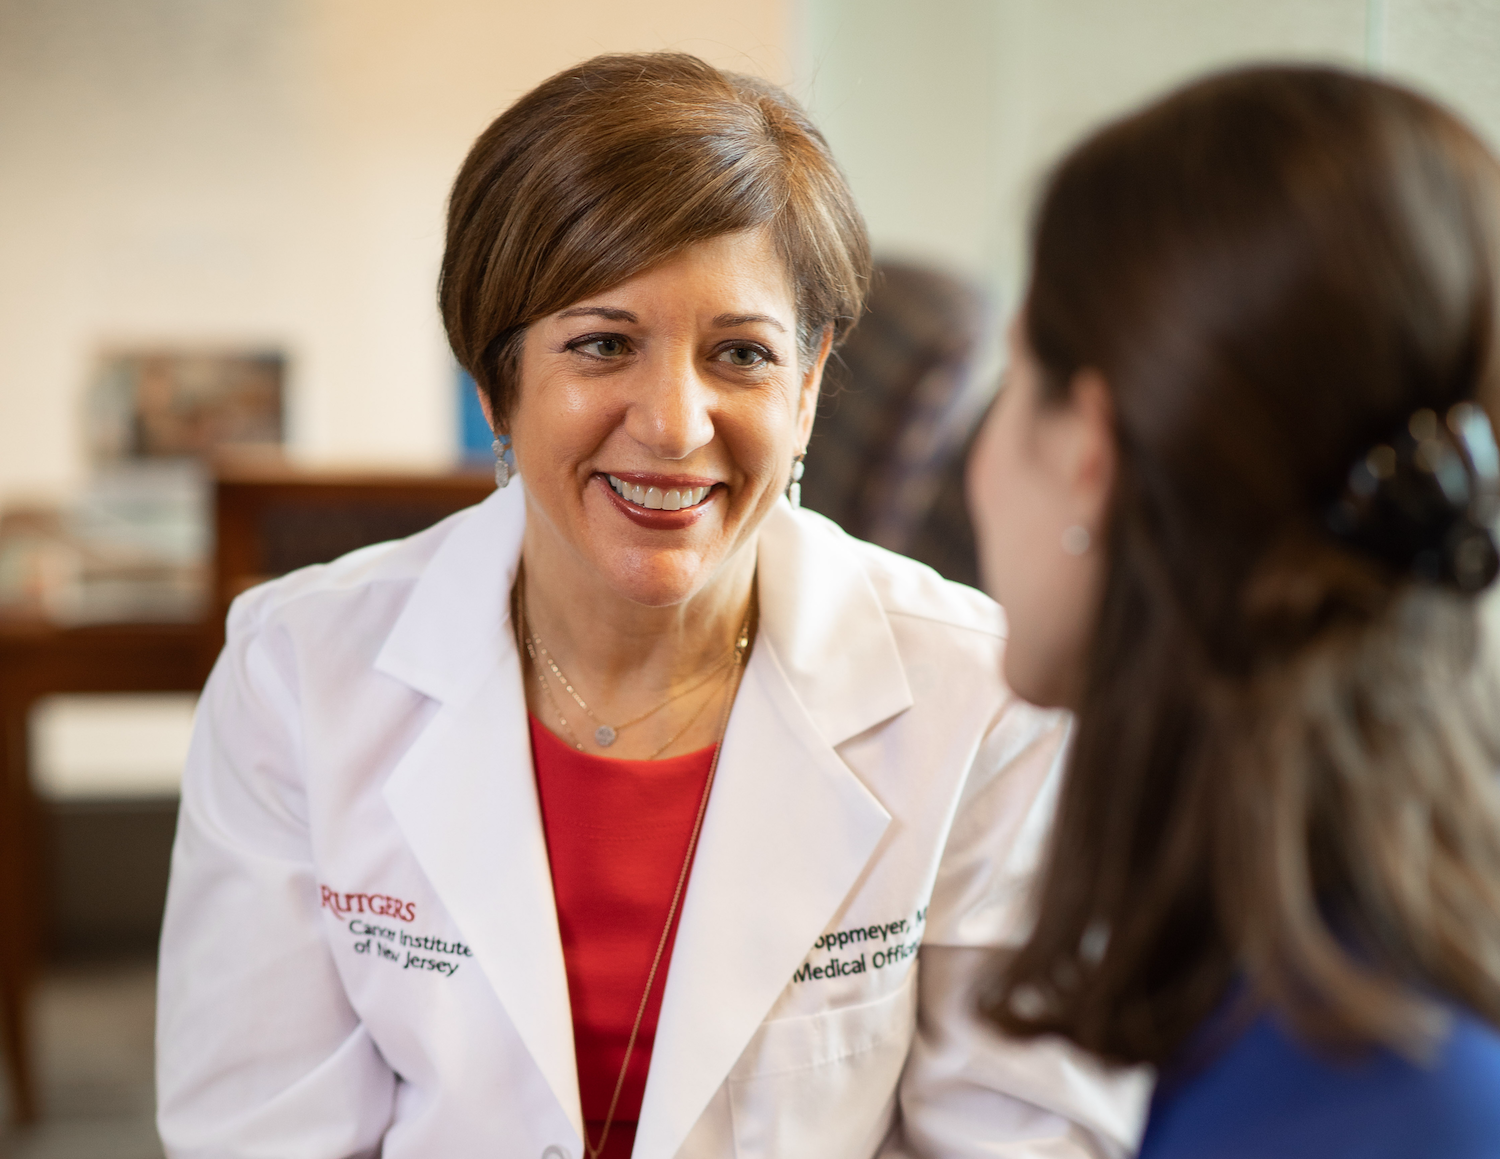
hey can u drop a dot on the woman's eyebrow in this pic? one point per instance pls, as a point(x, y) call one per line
point(610, 312)
point(724, 320)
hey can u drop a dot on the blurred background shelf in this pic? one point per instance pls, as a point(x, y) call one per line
point(86, 833)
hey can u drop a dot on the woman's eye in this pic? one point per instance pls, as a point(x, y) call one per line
point(603, 347)
point(744, 357)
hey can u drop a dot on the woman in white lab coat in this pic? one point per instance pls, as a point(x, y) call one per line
point(633, 811)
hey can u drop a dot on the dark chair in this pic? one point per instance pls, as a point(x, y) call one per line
point(900, 407)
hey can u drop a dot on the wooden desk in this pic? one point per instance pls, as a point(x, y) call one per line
point(39, 659)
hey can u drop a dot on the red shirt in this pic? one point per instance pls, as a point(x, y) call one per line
point(617, 832)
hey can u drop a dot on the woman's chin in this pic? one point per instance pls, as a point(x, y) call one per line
point(657, 577)
point(655, 567)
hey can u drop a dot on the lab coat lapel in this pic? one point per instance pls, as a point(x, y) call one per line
point(464, 795)
point(790, 827)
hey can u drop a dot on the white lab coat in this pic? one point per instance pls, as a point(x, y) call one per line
point(361, 953)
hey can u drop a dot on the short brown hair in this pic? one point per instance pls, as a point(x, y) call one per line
point(1284, 769)
point(617, 163)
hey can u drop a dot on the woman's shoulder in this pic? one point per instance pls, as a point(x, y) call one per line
point(1465, 1091)
point(1269, 1094)
point(905, 587)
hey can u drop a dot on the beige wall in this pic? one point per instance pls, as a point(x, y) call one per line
point(274, 170)
point(946, 113)
point(270, 171)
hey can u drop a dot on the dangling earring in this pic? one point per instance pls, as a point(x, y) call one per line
point(794, 488)
point(505, 460)
point(1075, 539)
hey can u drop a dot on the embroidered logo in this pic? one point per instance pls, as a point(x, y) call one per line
point(379, 904)
point(409, 951)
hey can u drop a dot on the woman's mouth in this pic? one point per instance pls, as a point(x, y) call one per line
point(657, 499)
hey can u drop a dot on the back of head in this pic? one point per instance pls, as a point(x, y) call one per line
point(1285, 762)
point(620, 162)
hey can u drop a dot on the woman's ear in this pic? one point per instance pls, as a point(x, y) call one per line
point(488, 409)
point(1089, 452)
point(812, 383)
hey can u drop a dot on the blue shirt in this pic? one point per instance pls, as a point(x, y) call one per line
point(1269, 1097)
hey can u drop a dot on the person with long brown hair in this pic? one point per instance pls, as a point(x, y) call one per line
point(1239, 500)
point(634, 811)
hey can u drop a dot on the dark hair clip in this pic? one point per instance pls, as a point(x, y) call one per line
point(1426, 500)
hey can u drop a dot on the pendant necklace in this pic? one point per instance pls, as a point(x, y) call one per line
point(605, 734)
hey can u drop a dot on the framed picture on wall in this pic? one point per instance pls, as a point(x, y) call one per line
point(184, 403)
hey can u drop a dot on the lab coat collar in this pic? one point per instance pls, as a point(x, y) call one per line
point(445, 638)
point(789, 827)
point(788, 833)
point(464, 795)
point(817, 606)
point(830, 633)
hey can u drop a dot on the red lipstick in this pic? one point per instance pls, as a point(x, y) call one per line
point(654, 519)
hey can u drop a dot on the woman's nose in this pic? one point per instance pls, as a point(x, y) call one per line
point(672, 415)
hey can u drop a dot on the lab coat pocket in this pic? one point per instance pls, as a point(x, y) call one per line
point(823, 1084)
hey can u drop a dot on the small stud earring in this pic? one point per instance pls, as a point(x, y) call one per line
point(794, 488)
point(1075, 539)
point(505, 460)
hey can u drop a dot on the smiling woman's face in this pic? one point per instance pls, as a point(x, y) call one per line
point(656, 421)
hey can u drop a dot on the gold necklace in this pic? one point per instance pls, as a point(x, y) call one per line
point(604, 734)
point(573, 738)
point(741, 649)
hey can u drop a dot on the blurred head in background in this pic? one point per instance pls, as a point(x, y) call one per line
point(901, 404)
point(1237, 500)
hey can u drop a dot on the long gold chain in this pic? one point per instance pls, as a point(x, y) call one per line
point(737, 665)
point(741, 645)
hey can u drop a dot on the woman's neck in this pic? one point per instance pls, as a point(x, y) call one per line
point(624, 657)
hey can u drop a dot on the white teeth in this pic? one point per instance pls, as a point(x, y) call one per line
point(657, 500)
